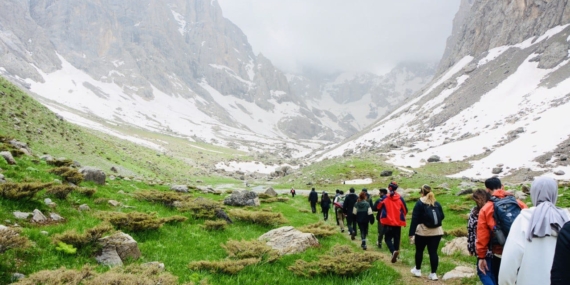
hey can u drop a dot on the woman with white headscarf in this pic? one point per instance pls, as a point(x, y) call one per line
point(529, 250)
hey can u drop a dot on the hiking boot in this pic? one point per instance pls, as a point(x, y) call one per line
point(342, 230)
point(379, 244)
point(432, 276)
point(416, 272)
point(353, 236)
point(395, 256)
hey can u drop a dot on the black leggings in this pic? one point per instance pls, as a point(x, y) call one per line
point(392, 237)
point(432, 242)
point(363, 230)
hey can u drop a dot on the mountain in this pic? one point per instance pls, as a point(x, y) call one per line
point(176, 67)
point(498, 100)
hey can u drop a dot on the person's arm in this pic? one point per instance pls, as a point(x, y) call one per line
point(354, 210)
point(442, 212)
point(522, 204)
point(369, 211)
point(416, 215)
point(559, 275)
point(513, 252)
point(404, 203)
point(471, 232)
point(483, 232)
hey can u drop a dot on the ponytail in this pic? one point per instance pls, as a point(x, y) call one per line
point(429, 196)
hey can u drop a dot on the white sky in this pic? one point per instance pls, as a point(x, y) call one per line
point(344, 35)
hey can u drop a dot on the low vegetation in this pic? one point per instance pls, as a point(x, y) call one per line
point(217, 225)
point(21, 191)
point(11, 239)
point(60, 191)
point(259, 217)
point(137, 221)
point(88, 238)
point(320, 229)
point(68, 174)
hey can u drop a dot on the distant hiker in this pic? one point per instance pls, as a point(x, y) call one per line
point(492, 234)
point(393, 212)
point(363, 214)
point(337, 193)
point(347, 208)
point(313, 198)
point(559, 275)
point(529, 251)
point(368, 199)
point(480, 197)
point(338, 211)
point(426, 230)
point(383, 194)
point(293, 192)
point(326, 205)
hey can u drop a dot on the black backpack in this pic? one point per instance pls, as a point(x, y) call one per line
point(433, 215)
point(505, 211)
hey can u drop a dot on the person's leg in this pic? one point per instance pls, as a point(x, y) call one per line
point(397, 235)
point(421, 243)
point(314, 207)
point(432, 245)
point(388, 238)
point(495, 268)
point(380, 234)
point(486, 279)
point(340, 219)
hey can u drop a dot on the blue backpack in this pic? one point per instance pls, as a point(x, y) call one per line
point(506, 211)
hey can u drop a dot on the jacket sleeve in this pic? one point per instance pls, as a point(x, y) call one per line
point(471, 232)
point(442, 212)
point(369, 210)
point(483, 232)
point(405, 206)
point(513, 252)
point(522, 204)
point(560, 274)
point(375, 205)
point(416, 216)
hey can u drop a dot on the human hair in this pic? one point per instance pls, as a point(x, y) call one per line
point(430, 197)
point(384, 191)
point(480, 197)
point(351, 190)
point(313, 189)
point(326, 197)
point(337, 191)
point(362, 196)
point(493, 183)
point(341, 192)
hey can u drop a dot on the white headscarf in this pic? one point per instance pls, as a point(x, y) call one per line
point(546, 216)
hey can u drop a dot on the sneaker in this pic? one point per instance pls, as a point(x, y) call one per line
point(342, 230)
point(416, 272)
point(353, 236)
point(395, 256)
point(432, 276)
point(379, 244)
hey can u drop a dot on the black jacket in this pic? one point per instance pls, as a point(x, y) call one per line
point(560, 274)
point(313, 197)
point(418, 214)
point(349, 202)
point(326, 204)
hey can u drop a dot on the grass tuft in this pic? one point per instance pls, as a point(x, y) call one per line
point(78, 240)
point(11, 239)
point(68, 174)
point(259, 217)
point(60, 191)
point(319, 229)
point(15, 191)
point(217, 225)
point(137, 221)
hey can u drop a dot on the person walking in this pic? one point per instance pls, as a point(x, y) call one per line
point(481, 197)
point(363, 214)
point(293, 192)
point(313, 199)
point(559, 274)
point(393, 212)
point(326, 205)
point(347, 208)
point(339, 213)
point(426, 230)
point(383, 194)
point(529, 251)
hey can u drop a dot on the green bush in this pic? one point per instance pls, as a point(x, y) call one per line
point(66, 248)
point(165, 198)
point(11, 239)
point(78, 240)
point(89, 192)
point(217, 225)
point(136, 221)
point(18, 191)
point(60, 191)
point(225, 266)
point(259, 217)
point(250, 249)
point(201, 208)
point(319, 229)
point(68, 174)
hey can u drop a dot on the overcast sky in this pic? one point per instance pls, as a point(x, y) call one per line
point(344, 35)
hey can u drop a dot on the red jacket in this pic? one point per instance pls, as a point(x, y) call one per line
point(392, 211)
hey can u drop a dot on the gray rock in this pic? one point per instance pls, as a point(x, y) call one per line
point(125, 246)
point(271, 192)
point(433, 158)
point(465, 192)
point(17, 276)
point(554, 54)
point(386, 173)
point(3, 227)
point(47, 158)
point(21, 215)
point(21, 146)
point(242, 198)
point(179, 188)
point(459, 272)
point(84, 207)
point(93, 174)
point(497, 170)
point(55, 217)
point(39, 217)
point(288, 240)
point(559, 172)
point(44, 233)
point(456, 245)
point(114, 203)
point(48, 201)
point(109, 257)
point(8, 157)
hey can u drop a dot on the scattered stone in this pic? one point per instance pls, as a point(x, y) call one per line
point(84, 207)
point(288, 240)
point(109, 257)
point(55, 217)
point(21, 146)
point(17, 276)
point(242, 198)
point(93, 174)
point(386, 173)
point(179, 188)
point(114, 169)
point(57, 181)
point(456, 245)
point(3, 227)
point(47, 158)
point(559, 172)
point(48, 201)
point(271, 192)
point(2, 178)
point(121, 192)
point(199, 181)
point(44, 233)
point(497, 170)
point(563, 157)
point(459, 272)
point(465, 192)
point(125, 246)
point(114, 203)
point(554, 54)
point(160, 265)
point(444, 186)
point(38, 217)
point(433, 158)
point(21, 215)
point(525, 189)
point(8, 157)
point(112, 177)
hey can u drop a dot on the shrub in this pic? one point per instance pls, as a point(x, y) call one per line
point(11, 238)
point(275, 199)
point(165, 198)
point(82, 240)
point(202, 208)
point(411, 199)
point(260, 217)
point(250, 249)
point(61, 162)
point(217, 225)
point(101, 201)
point(225, 266)
point(60, 191)
point(68, 174)
point(263, 196)
point(458, 208)
point(137, 221)
point(66, 248)
point(458, 232)
point(319, 229)
point(89, 192)
point(335, 263)
point(15, 191)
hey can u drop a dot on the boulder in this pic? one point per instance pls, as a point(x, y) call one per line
point(84, 207)
point(433, 158)
point(456, 245)
point(38, 217)
point(465, 192)
point(17, 276)
point(21, 146)
point(179, 188)
point(8, 157)
point(124, 245)
point(47, 158)
point(93, 174)
point(109, 257)
point(288, 240)
point(459, 272)
point(21, 215)
point(386, 173)
point(242, 198)
point(2, 178)
point(271, 192)
point(55, 217)
point(559, 172)
point(497, 170)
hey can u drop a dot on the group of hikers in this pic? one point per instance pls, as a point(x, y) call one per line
point(513, 244)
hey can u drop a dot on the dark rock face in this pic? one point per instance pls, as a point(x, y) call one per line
point(242, 198)
point(93, 174)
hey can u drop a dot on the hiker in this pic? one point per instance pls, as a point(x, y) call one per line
point(326, 205)
point(426, 230)
point(293, 192)
point(383, 194)
point(313, 198)
point(393, 212)
point(480, 197)
point(363, 214)
point(529, 251)
point(348, 207)
point(559, 275)
point(368, 199)
point(491, 233)
point(339, 214)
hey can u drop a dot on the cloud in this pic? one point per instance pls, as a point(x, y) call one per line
point(344, 35)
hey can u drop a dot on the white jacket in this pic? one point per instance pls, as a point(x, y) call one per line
point(525, 262)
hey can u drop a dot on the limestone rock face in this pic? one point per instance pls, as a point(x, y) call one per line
point(456, 245)
point(242, 198)
point(288, 240)
point(122, 244)
point(93, 174)
point(459, 272)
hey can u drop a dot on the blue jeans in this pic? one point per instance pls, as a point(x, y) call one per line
point(489, 278)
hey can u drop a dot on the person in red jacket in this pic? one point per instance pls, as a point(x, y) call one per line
point(486, 223)
point(393, 212)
